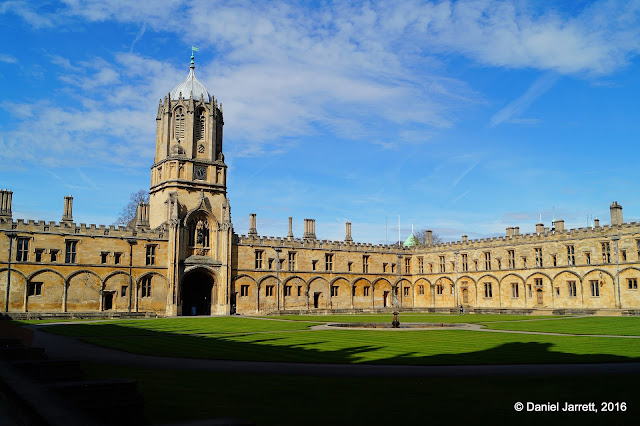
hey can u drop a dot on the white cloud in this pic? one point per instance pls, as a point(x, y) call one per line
point(519, 105)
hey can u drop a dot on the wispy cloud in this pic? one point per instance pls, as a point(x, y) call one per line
point(8, 59)
point(519, 105)
point(457, 180)
point(143, 28)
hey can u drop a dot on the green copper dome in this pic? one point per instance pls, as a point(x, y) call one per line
point(411, 242)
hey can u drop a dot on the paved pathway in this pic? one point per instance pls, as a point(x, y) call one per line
point(63, 347)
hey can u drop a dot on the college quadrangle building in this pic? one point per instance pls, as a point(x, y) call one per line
point(181, 255)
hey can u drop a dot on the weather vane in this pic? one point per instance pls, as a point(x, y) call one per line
point(193, 49)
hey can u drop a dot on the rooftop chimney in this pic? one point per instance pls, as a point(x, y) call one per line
point(348, 235)
point(253, 231)
point(309, 229)
point(616, 213)
point(5, 204)
point(67, 214)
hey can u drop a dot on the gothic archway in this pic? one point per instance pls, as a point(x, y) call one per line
point(197, 292)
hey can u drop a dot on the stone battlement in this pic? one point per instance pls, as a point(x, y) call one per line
point(82, 229)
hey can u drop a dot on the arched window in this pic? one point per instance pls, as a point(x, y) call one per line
point(179, 123)
point(200, 121)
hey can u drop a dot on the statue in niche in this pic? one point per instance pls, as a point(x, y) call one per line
point(200, 233)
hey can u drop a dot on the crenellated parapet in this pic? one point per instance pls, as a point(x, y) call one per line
point(82, 229)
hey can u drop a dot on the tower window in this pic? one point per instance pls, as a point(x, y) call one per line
point(70, 252)
point(23, 250)
point(179, 123)
point(200, 124)
point(146, 287)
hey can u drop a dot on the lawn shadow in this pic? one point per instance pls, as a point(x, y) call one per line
point(323, 350)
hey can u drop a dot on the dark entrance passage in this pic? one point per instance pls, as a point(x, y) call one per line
point(196, 293)
point(108, 301)
point(316, 298)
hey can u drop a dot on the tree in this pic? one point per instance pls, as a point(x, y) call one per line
point(128, 214)
point(421, 236)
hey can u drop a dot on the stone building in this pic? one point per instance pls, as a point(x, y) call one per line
point(181, 255)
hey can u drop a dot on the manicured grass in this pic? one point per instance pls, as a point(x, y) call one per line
point(266, 399)
point(408, 317)
point(618, 326)
point(151, 327)
point(380, 347)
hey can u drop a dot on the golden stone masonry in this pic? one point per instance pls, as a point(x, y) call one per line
point(181, 255)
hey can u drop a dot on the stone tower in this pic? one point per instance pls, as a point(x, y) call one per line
point(188, 197)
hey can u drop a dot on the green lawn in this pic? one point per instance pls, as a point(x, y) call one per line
point(151, 327)
point(619, 326)
point(182, 395)
point(266, 340)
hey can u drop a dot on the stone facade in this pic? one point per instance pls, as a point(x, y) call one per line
point(181, 256)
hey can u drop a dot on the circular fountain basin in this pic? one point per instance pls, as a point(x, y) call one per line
point(425, 325)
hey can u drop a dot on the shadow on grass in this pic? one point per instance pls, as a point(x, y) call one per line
point(346, 347)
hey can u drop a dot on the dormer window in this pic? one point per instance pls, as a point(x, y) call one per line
point(179, 123)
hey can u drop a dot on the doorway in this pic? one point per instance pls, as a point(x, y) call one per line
point(539, 295)
point(465, 295)
point(107, 303)
point(197, 293)
point(316, 299)
point(385, 299)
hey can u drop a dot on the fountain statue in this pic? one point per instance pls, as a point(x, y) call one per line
point(396, 308)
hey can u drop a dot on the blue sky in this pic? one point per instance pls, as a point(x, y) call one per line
point(462, 117)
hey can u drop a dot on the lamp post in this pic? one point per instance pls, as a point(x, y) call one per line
point(11, 236)
point(455, 284)
point(615, 239)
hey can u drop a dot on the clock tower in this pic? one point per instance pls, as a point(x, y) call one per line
point(188, 196)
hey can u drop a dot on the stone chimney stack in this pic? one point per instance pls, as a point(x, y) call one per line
point(559, 225)
point(429, 235)
point(309, 229)
point(5, 205)
point(290, 234)
point(539, 228)
point(464, 239)
point(510, 231)
point(253, 231)
point(142, 215)
point(67, 214)
point(516, 230)
point(348, 235)
point(616, 213)
point(596, 223)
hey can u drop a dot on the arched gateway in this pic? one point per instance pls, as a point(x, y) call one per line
point(198, 293)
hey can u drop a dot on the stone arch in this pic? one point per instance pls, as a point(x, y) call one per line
point(629, 294)
point(382, 293)
point(319, 293)
point(52, 290)
point(16, 289)
point(467, 290)
point(298, 293)
point(513, 291)
point(570, 287)
point(88, 271)
point(406, 297)
point(488, 291)
point(422, 299)
point(602, 295)
point(360, 286)
point(84, 291)
point(540, 296)
point(566, 271)
point(39, 271)
point(197, 291)
point(341, 293)
point(263, 278)
point(245, 292)
point(117, 293)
